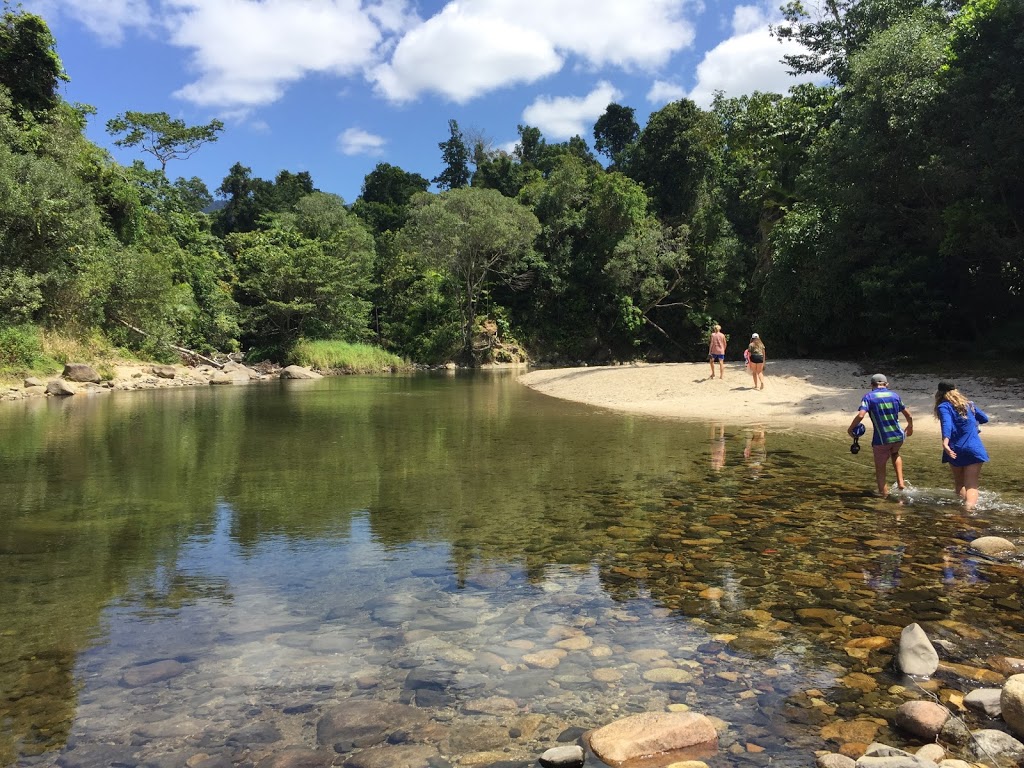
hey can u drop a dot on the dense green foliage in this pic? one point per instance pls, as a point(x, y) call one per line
point(881, 212)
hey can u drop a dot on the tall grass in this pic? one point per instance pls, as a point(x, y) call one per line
point(329, 355)
point(29, 350)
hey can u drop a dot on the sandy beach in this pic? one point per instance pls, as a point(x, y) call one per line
point(797, 393)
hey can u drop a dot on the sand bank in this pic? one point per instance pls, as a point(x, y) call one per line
point(797, 393)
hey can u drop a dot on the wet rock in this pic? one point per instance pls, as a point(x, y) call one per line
point(409, 756)
point(298, 757)
point(977, 674)
point(563, 757)
point(493, 705)
point(844, 731)
point(361, 723)
point(90, 755)
point(651, 733)
point(80, 372)
point(469, 736)
point(154, 672)
point(985, 701)
point(547, 659)
point(989, 742)
point(917, 655)
point(668, 676)
point(256, 733)
point(993, 545)
point(922, 718)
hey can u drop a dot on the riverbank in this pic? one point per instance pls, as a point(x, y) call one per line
point(797, 393)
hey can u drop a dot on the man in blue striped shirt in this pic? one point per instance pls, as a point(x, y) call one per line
point(884, 406)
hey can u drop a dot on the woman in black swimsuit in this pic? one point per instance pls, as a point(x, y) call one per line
point(756, 350)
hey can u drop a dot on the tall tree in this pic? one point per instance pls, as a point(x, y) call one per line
point(476, 236)
point(162, 136)
point(29, 65)
point(455, 156)
point(615, 131)
point(385, 195)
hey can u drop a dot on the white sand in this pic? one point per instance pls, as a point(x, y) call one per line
point(797, 393)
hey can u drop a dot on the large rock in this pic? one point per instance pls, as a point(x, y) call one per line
point(154, 672)
point(60, 388)
point(993, 545)
point(363, 723)
point(883, 756)
point(922, 718)
point(164, 371)
point(991, 743)
point(298, 372)
point(651, 733)
point(81, 373)
point(985, 701)
point(32, 381)
point(1011, 701)
point(917, 655)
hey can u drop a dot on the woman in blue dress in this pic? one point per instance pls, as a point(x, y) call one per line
point(962, 448)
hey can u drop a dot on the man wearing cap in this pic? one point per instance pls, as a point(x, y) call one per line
point(884, 406)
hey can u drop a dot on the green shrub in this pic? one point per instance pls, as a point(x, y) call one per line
point(20, 347)
point(330, 355)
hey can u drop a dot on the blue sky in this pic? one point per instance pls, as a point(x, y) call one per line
point(334, 87)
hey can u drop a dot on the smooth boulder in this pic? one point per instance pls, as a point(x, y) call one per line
point(652, 733)
point(1011, 702)
point(81, 373)
point(298, 372)
point(916, 656)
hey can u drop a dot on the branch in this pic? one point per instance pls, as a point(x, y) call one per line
point(178, 349)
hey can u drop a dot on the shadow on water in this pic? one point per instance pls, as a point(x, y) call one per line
point(210, 572)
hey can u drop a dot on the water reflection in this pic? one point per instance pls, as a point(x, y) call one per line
point(208, 572)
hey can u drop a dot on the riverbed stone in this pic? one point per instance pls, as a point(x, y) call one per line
point(668, 676)
point(934, 752)
point(362, 723)
point(922, 718)
point(985, 701)
point(32, 381)
point(916, 656)
point(1011, 701)
point(990, 742)
point(835, 760)
point(154, 672)
point(569, 756)
point(993, 545)
point(651, 733)
point(220, 378)
point(405, 756)
point(546, 659)
point(299, 757)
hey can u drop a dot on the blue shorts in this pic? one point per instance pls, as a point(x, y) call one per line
point(720, 358)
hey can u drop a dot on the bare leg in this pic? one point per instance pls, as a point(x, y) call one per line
point(897, 463)
point(720, 374)
point(958, 480)
point(881, 460)
point(972, 476)
point(711, 362)
point(753, 373)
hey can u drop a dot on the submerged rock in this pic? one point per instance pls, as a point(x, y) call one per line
point(651, 733)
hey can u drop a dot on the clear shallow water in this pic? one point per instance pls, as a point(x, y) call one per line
point(208, 572)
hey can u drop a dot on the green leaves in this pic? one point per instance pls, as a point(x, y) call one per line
point(162, 136)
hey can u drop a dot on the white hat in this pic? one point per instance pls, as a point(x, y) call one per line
point(754, 336)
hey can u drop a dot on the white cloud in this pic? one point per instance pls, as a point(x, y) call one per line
point(246, 53)
point(663, 92)
point(461, 55)
point(356, 141)
point(750, 60)
point(470, 48)
point(564, 117)
point(107, 19)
